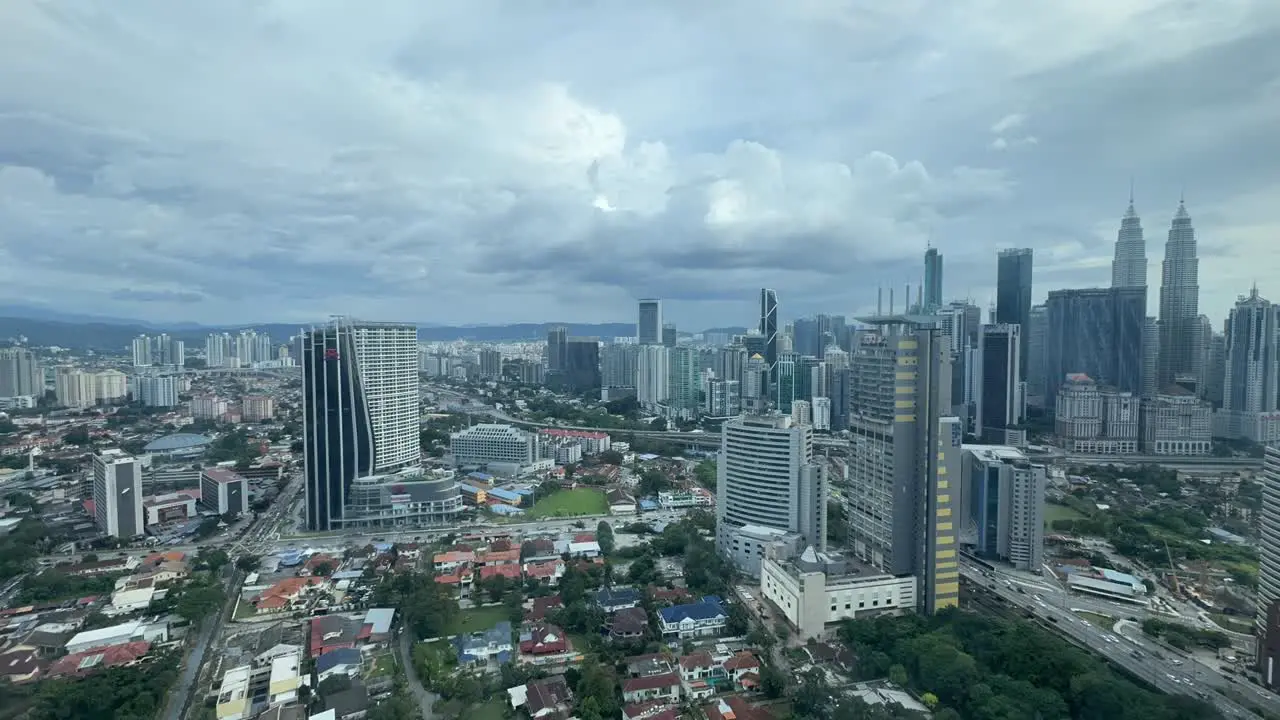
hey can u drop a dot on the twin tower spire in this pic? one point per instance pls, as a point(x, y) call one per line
point(1129, 268)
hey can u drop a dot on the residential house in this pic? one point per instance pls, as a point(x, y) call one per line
point(743, 670)
point(699, 673)
point(123, 654)
point(377, 625)
point(285, 679)
point(646, 665)
point(20, 664)
point(332, 632)
point(543, 639)
point(546, 572)
point(575, 548)
point(320, 564)
point(611, 599)
point(482, 648)
point(539, 548)
point(450, 562)
point(700, 619)
point(650, 710)
point(735, 708)
point(542, 606)
point(669, 596)
point(545, 698)
point(128, 601)
point(349, 704)
point(117, 635)
point(627, 625)
point(510, 572)
point(289, 593)
point(344, 661)
point(652, 687)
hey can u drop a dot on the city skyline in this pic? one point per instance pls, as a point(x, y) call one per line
point(429, 161)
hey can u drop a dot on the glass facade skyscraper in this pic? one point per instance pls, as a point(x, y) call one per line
point(1097, 332)
point(1013, 296)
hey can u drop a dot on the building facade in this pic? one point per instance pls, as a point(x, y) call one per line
point(1267, 621)
point(1250, 384)
point(1000, 401)
point(1002, 507)
point(1180, 337)
point(117, 494)
point(1097, 332)
point(224, 491)
point(1176, 422)
point(1013, 295)
point(1094, 420)
point(649, 322)
point(1129, 267)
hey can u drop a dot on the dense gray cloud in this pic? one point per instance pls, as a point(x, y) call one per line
point(499, 160)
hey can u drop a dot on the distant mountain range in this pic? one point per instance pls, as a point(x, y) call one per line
point(44, 327)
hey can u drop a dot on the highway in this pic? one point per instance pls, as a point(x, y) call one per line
point(1127, 648)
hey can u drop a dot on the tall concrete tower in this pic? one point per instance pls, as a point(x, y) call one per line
point(1129, 268)
point(1180, 336)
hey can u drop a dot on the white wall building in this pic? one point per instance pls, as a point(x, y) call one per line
point(494, 444)
point(117, 494)
point(156, 390)
point(814, 589)
point(387, 357)
point(75, 388)
point(653, 376)
point(821, 413)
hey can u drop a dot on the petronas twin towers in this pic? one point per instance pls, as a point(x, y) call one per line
point(1179, 325)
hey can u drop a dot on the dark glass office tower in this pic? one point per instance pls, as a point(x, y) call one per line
point(999, 397)
point(932, 280)
point(557, 351)
point(1013, 296)
point(1098, 332)
point(337, 440)
point(582, 364)
point(769, 328)
point(649, 327)
point(807, 337)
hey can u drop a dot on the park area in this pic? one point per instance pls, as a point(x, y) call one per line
point(569, 503)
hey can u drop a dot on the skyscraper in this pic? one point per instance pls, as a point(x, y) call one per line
point(902, 455)
point(932, 280)
point(618, 365)
point(1129, 268)
point(768, 478)
point(1013, 295)
point(653, 376)
point(1038, 330)
point(1150, 356)
point(683, 383)
point(769, 328)
point(1097, 332)
point(117, 494)
point(1252, 369)
point(359, 410)
point(557, 349)
point(1002, 508)
point(649, 326)
point(1267, 621)
point(669, 334)
point(1180, 344)
point(1000, 393)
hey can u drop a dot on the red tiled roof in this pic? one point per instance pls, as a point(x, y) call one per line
point(507, 571)
point(105, 657)
point(741, 661)
point(699, 659)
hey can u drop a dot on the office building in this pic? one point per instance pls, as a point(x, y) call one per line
point(359, 407)
point(581, 371)
point(898, 498)
point(783, 377)
point(1267, 621)
point(806, 337)
point(1097, 332)
point(1013, 295)
point(20, 374)
point(801, 413)
point(1093, 420)
point(769, 329)
point(728, 362)
point(821, 409)
point(682, 387)
point(1250, 383)
point(767, 477)
point(932, 280)
point(1000, 403)
point(1129, 268)
point(160, 391)
point(1037, 363)
point(1150, 356)
point(649, 324)
point(653, 377)
point(224, 491)
point(723, 399)
point(75, 388)
point(490, 364)
point(755, 384)
point(506, 450)
point(409, 497)
point(1215, 370)
point(1180, 337)
point(557, 349)
point(1002, 505)
point(117, 494)
point(669, 336)
point(1176, 422)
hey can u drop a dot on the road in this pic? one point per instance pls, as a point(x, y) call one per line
point(180, 696)
point(426, 699)
point(1130, 650)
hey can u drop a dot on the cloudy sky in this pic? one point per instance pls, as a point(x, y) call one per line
point(491, 161)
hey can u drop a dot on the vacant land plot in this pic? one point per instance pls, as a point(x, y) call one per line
point(493, 709)
point(568, 503)
point(1054, 511)
point(479, 619)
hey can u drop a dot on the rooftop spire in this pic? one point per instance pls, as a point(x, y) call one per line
point(1130, 212)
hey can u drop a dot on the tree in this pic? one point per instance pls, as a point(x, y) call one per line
point(247, 563)
point(212, 560)
point(739, 622)
point(604, 536)
point(772, 681)
point(324, 569)
point(495, 586)
point(898, 675)
point(198, 601)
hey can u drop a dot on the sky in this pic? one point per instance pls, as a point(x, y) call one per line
point(495, 161)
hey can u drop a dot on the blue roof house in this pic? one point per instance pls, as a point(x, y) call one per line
point(343, 661)
point(484, 648)
point(700, 619)
point(612, 599)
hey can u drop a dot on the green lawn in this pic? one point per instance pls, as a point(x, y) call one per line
point(567, 503)
point(1101, 621)
point(477, 619)
point(244, 609)
point(1054, 511)
point(492, 709)
point(383, 665)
